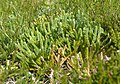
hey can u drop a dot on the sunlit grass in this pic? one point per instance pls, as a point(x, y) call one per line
point(44, 41)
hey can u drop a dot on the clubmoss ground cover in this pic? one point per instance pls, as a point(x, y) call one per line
point(60, 41)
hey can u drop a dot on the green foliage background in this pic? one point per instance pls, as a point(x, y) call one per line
point(60, 41)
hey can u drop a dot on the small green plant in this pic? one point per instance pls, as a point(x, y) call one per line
point(44, 41)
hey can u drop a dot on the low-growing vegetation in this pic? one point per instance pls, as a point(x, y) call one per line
point(60, 41)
